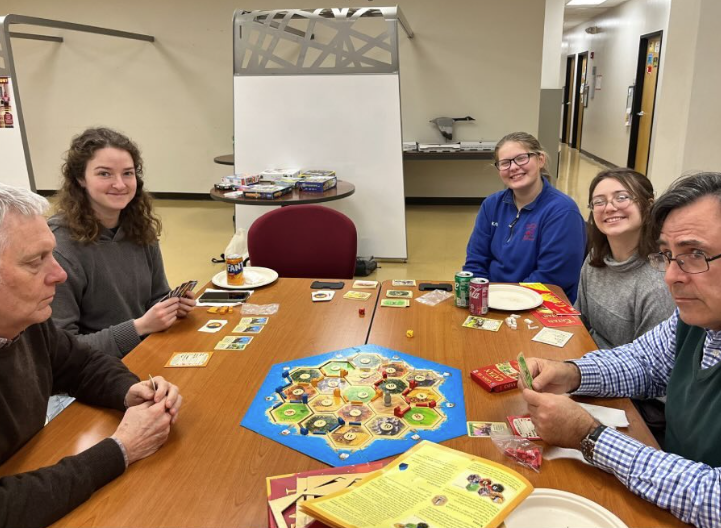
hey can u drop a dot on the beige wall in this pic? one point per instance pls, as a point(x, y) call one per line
point(174, 97)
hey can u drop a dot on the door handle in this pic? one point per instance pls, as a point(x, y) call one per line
point(641, 113)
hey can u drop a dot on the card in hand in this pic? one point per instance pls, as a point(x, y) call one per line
point(180, 290)
point(525, 372)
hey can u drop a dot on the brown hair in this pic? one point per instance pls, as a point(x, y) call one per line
point(139, 223)
point(528, 141)
point(641, 189)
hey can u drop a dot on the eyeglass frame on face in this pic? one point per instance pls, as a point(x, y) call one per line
point(511, 161)
point(666, 259)
point(596, 202)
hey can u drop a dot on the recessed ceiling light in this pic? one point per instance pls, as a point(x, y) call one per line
point(585, 2)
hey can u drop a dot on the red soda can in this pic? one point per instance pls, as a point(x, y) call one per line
point(478, 297)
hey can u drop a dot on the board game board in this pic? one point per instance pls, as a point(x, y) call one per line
point(358, 404)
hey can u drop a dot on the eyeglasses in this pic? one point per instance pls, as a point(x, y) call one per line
point(619, 201)
point(696, 262)
point(520, 161)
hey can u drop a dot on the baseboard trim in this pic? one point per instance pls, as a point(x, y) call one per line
point(443, 200)
point(599, 160)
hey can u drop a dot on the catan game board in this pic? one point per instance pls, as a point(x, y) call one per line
point(358, 404)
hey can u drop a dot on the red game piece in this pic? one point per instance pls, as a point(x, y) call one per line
point(412, 384)
point(361, 312)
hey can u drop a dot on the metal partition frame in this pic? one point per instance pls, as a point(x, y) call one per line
point(7, 63)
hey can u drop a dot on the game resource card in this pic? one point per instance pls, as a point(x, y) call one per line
point(557, 338)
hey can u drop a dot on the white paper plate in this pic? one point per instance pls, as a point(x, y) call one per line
point(254, 277)
point(512, 298)
point(551, 508)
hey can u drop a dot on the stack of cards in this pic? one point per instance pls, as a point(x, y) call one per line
point(357, 296)
point(399, 294)
point(482, 323)
point(189, 359)
point(403, 283)
point(322, 295)
point(233, 343)
point(395, 303)
point(250, 325)
point(484, 429)
point(365, 284)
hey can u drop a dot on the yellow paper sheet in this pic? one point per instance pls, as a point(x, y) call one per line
point(429, 483)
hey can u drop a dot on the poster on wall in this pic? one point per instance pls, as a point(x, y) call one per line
point(7, 119)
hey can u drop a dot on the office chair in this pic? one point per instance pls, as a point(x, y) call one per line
point(304, 241)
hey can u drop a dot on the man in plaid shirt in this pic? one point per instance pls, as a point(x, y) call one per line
point(679, 358)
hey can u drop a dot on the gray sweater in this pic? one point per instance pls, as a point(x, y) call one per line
point(622, 301)
point(110, 283)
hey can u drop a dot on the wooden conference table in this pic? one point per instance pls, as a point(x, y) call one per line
point(211, 472)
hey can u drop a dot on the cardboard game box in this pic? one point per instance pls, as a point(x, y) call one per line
point(317, 180)
point(497, 378)
point(266, 192)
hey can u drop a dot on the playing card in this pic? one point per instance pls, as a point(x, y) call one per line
point(357, 296)
point(248, 321)
point(212, 326)
point(525, 372)
point(322, 295)
point(361, 284)
point(482, 323)
point(484, 429)
point(403, 283)
point(523, 426)
point(180, 290)
point(400, 294)
point(248, 329)
point(395, 303)
point(233, 343)
point(550, 336)
point(189, 359)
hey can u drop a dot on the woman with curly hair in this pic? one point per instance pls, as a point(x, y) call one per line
point(107, 242)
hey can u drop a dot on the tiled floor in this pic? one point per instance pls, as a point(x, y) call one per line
point(195, 231)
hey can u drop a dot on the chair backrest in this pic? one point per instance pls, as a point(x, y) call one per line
point(304, 241)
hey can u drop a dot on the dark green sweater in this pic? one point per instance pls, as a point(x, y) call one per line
point(45, 361)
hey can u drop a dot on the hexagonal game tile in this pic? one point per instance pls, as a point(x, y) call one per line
point(424, 378)
point(324, 403)
point(305, 374)
point(386, 426)
point(290, 413)
point(296, 392)
point(396, 369)
point(378, 405)
point(363, 377)
point(333, 368)
point(367, 361)
point(328, 385)
point(422, 417)
point(321, 424)
point(362, 393)
point(349, 437)
point(393, 385)
point(423, 395)
point(355, 413)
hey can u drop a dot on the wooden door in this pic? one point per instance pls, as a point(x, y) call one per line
point(580, 98)
point(649, 77)
point(568, 99)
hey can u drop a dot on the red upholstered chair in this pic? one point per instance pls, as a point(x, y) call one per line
point(305, 241)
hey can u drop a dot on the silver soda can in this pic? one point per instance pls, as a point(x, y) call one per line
point(478, 297)
point(463, 279)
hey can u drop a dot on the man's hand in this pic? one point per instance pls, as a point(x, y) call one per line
point(143, 430)
point(186, 305)
point(160, 317)
point(552, 376)
point(143, 392)
point(558, 419)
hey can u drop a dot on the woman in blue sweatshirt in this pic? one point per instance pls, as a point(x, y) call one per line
point(529, 232)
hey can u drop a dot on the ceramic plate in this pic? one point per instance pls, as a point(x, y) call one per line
point(551, 508)
point(513, 298)
point(254, 277)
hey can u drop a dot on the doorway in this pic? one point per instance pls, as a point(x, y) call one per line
point(567, 99)
point(644, 101)
point(580, 98)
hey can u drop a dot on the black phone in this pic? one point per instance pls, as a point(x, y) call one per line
point(224, 296)
point(429, 286)
point(321, 285)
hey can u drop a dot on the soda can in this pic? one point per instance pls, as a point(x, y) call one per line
point(463, 279)
point(478, 297)
point(234, 270)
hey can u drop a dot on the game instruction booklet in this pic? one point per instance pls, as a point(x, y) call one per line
point(431, 484)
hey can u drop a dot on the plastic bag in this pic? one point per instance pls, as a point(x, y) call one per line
point(520, 449)
point(238, 245)
point(434, 297)
point(259, 309)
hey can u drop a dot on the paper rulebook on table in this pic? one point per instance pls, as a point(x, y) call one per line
point(429, 483)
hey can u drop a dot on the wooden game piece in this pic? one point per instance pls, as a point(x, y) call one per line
point(387, 399)
point(304, 398)
point(303, 431)
point(432, 403)
point(361, 312)
point(412, 384)
point(336, 392)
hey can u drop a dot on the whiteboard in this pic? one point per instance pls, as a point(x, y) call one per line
point(347, 123)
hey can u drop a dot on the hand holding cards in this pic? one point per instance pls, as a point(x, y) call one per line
point(181, 290)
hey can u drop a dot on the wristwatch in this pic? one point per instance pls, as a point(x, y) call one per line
point(588, 444)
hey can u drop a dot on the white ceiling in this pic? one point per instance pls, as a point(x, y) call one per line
point(575, 15)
